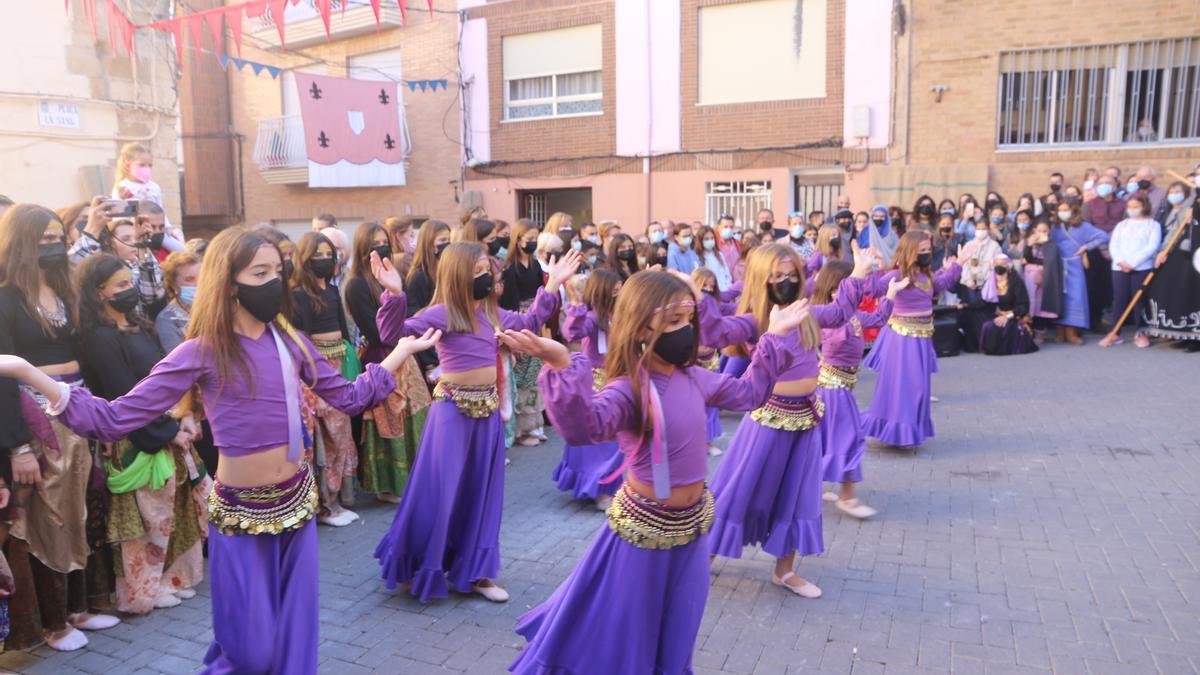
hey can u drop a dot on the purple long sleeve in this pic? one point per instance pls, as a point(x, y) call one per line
point(878, 318)
point(545, 304)
point(366, 391)
point(580, 323)
point(772, 355)
point(946, 277)
point(581, 415)
point(391, 317)
point(718, 331)
point(838, 312)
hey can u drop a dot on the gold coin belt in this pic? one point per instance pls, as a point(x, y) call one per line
point(282, 509)
point(912, 326)
point(790, 415)
point(473, 400)
point(646, 523)
point(834, 377)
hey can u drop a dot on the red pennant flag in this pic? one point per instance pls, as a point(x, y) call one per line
point(213, 19)
point(403, 4)
point(277, 9)
point(89, 10)
point(176, 28)
point(128, 36)
point(233, 16)
point(255, 8)
point(323, 10)
point(196, 24)
point(374, 8)
point(430, 2)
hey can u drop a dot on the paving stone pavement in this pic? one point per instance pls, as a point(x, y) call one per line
point(1051, 526)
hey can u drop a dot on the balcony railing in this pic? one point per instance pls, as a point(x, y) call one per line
point(279, 149)
point(305, 28)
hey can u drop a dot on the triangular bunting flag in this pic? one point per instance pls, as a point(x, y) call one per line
point(323, 10)
point(176, 28)
point(256, 8)
point(277, 9)
point(403, 5)
point(233, 16)
point(240, 63)
point(374, 8)
point(256, 67)
point(273, 71)
point(412, 86)
point(423, 84)
point(196, 25)
point(225, 62)
point(213, 19)
point(443, 84)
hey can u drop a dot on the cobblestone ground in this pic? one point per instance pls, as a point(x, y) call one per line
point(1052, 526)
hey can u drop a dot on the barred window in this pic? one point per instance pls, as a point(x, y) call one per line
point(1140, 92)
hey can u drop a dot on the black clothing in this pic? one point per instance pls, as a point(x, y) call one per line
point(20, 334)
point(363, 303)
point(115, 360)
point(419, 291)
point(329, 318)
point(521, 284)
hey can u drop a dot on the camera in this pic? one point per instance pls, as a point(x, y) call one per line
point(122, 208)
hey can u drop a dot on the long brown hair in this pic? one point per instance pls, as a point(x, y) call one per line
point(756, 299)
point(364, 243)
point(517, 231)
point(302, 277)
point(455, 279)
point(906, 256)
point(92, 274)
point(643, 295)
point(475, 229)
point(211, 322)
point(425, 259)
point(831, 275)
point(598, 294)
point(21, 231)
point(614, 262)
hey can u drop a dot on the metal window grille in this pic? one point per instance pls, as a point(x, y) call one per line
point(1138, 92)
point(810, 197)
point(742, 199)
point(533, 207)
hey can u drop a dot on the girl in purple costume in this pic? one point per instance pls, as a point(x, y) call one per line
point(447, 526)
point(634, 602)
point(768, 488)
point(841, 354)
point(903, 353)
point(710, 358)
point(248, 364)
point(584, 468)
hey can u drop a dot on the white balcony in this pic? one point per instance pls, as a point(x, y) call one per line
point(279, 150)
point(303, 26)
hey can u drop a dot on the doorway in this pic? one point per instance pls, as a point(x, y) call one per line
point(538, 205)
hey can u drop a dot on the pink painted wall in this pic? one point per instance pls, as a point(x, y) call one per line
point(648, 72)
point(475, 72)
point(868, 68)
point(621, 197)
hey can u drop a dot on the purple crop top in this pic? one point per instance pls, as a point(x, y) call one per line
point(914, 301)
point(459, 352)
point(719, 332)
point(581, 324)
point(843, 346)
point(244, 419)
point(584, 417)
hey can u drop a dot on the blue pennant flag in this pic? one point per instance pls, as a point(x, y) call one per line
point(257, 67)
point(443, 84)
point(238, 62)
point(273, 72)
point(412, 86)
point(224, 62)
point(423, 84)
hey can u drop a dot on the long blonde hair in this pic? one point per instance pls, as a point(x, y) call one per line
point(642, 296)
point(455, 280)
point(826, 236)
point(555, 222)
point(129, 152)
point(756, 298)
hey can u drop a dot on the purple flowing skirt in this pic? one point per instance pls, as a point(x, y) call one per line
point(768, 491)
point(841, 436)
point(900, 410)
point(447, 526)
point(713, 420)
point(624, 609)
point(264, 602)
point(584, 466)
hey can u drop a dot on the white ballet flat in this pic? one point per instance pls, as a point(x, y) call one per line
point(830, 496)
point(714, 451)
point(70, 642)
point(340, 520)
point(807, 590)
point(493, 593)
point(855, 508)
point(185, 593)
point(167, 600)
point(96, 622)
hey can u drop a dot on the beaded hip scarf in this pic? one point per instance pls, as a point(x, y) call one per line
point(473, 400)
point(330, 349)
point(710, 362)
point(266, 509)
point(645, 523)
point(599, 377)
point(790, 413)
point(912, 326)
point(836, 377)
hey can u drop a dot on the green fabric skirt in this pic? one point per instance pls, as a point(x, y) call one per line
point(384, 463)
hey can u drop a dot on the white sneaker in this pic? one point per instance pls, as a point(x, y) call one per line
point(493, 593)
point(342, 519)
point(185, 594)
point(830, 496)
point(69, 642)
point(934, 399)
point(95, 622)
point(855, 508)
point(540, 432)
point(507, 461)
point(714, 451)
point(167, 600)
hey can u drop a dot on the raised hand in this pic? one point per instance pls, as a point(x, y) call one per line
point(786, 319)
point(895, 286)
point(552, 353)
point(864, 259)
point(953, 258)
point(386, 274)
point(408, 346)
point(574, 289)
point(562, 269)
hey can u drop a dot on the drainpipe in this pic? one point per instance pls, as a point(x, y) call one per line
point(649, 159)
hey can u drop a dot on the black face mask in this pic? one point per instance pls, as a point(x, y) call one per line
point(263, 301)
point(1143, 185)
point(1000, 271)
point(288, 268)
point(783, 292)
point(627, 256)
point(504, 241)
point(676, 347)
point(52, 257)
point(766, 226)
point(384, 251)
point(482, 286)
point(990, 204)
point(566, 234)
point(924, 259)
point(156, 241)
point(661, 260)
point(844, 224)
point(946, 233)
point(494, 246)
point(125, 301)
point(529, 247)
point(1055, 187)
point(322, 268)
point(438, 248)
point(878, 222)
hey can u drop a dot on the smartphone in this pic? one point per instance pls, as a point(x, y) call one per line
point(122, 208)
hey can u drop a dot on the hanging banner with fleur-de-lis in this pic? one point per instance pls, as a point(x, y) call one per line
point(352, 131)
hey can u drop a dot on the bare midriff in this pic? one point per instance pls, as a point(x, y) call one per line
point(331, 335)
point(801, 387)
point(68, 368)
point(474, 376)
point(682, 496)
point(261, 468)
